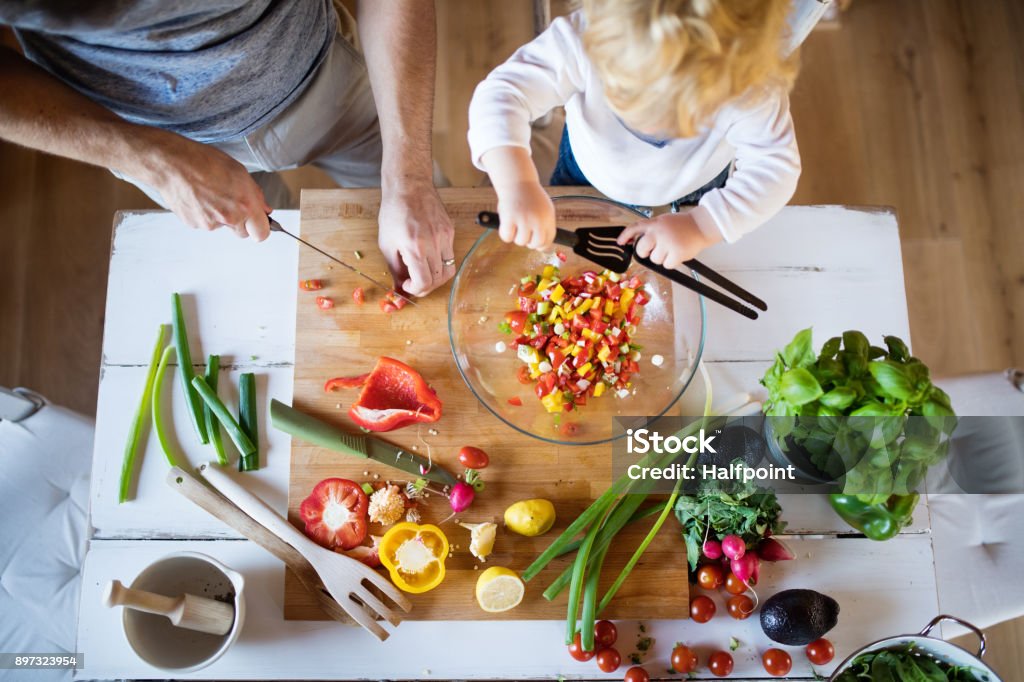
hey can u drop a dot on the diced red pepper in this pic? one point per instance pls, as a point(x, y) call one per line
point(345, 382)
point(515, 401)
point(561, 256)
point(528, 288)
point(523, 375)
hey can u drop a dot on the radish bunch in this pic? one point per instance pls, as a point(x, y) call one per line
point(744, 564)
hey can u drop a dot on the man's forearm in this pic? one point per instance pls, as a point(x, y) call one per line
point(399, 41)
point(39, 111)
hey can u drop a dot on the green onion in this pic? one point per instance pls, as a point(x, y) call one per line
point(576, 582)
point(157, 405)
point(590, 599)
point(241, 441)
point(212, 425)
point(598, 508)
point(247, 420)
point(195, 408)
point(132, 446)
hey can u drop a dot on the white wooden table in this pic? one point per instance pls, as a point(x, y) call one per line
point(830, 267)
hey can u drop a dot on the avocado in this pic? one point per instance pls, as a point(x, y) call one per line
point(798, 617)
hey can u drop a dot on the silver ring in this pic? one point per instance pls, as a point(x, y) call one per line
point(448, 261)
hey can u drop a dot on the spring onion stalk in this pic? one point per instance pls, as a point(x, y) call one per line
point(212, 425)
point(587, 616)
point(195, 407)
point(637, 516)
point(241, 441)
point(576, 582)
point(131, 448)
point(598, 509)
point(247, 420)
point(623, 513)
point(157, 405)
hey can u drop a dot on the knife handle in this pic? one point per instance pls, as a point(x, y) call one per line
point(491, 221)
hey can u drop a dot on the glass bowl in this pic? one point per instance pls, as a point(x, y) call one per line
point(673, 326)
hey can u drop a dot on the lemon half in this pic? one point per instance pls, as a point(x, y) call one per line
point(499, 589)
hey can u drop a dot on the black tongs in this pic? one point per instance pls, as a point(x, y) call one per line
point(599, 245)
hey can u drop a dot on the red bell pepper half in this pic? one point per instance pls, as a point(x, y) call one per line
point(393, 395)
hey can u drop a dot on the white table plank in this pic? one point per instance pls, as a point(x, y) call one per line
point(270, 646)
point(242, 292)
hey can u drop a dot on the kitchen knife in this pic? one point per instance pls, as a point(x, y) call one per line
point(317, 432)
point(276, 227)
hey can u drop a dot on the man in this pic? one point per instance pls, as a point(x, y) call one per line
point(186, 99)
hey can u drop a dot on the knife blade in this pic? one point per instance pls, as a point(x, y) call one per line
point(276, 227)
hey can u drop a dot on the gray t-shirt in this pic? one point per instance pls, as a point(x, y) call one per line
point(208, 70)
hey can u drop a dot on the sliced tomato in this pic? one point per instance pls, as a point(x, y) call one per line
point(358, 295)
point(335, 514)
point(311, 284)
point(388, 307)
point(523, 375)
point(324, 303)
point(545, 384)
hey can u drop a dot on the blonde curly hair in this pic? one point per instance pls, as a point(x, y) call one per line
point(668, 65)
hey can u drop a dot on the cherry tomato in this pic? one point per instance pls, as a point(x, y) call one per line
point(709, 576)
point(684, 660)
point(473, 458)
point(605, 634)
point(311, 284)
point(777, 662)
point(734, 585)
point(523, 375)
point(387, 306)
point(516, 320)
point(820, 651)
point(569, 428)
point(702, 609)
point(577, 652)
point(324, 303)
point(515, 401)
point(608, 660)
point(637, 674)
point(740, 606)
point(358, 295)
point(720, 664)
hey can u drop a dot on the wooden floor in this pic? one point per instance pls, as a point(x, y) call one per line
point(912, 104)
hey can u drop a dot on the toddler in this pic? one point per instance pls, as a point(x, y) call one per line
point(662, 98)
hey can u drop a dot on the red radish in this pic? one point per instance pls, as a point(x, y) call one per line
point(335, 513)
point(733, 546)
point(461, 497)
point(712, 549)
point(771, 549)
point(747, 568)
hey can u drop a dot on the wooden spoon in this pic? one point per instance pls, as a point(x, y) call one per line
point(187, 611)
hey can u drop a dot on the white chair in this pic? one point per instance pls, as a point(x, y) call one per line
point(979, 539)
point(45, 459)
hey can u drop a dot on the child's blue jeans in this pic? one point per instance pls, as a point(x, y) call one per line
point(567, 172)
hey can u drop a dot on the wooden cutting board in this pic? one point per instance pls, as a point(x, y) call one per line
point(348, 339)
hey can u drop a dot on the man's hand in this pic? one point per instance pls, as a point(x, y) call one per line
point(415, 235)
point(207, 189)
point(668, 240)
point(527, 215)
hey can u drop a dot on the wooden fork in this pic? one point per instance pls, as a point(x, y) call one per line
point(342, 576)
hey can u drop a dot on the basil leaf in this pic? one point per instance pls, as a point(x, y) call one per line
point(875, 352)
point(839, 398)
point(893, 378)
point(799, 387)
point(856, 342)
point(898, 350)
point(798, 353)
point(830, 348)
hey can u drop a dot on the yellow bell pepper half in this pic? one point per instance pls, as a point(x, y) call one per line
point(414, 555)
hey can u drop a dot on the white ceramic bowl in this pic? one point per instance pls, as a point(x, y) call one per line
point(155, 640)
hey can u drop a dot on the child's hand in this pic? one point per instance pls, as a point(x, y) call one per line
point(527, 215)
point(668, 240)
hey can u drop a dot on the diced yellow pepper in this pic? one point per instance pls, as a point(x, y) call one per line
point(585, 306)
point(603, 354)
point(598, 302)
point(544, 284)
point(589, 333)
point(626, 299)
point(609, 307)
point(583, 369)
point(574, 351)
point(548, 272)
point(552, 402)
point(557, 294)
point(599, 389)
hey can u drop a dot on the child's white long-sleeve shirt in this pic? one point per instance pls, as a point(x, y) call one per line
point(553, 70)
